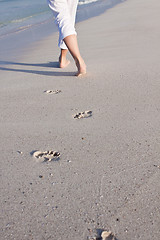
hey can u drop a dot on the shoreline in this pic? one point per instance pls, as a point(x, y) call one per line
point(14, 44)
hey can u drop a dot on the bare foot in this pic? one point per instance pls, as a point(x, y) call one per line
point(81, 68)
point(63, 62)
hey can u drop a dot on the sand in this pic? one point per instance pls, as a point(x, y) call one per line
point(107, 174)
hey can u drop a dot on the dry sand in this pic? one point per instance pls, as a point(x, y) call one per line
point(107, 176)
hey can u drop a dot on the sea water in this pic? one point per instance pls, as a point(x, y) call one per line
point(25, 22)
point(18, 15)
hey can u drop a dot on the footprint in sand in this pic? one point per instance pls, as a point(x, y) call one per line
point(46, 156)
point(52, 91)
point(107, 236)
point(84, 114)
point(104, 236)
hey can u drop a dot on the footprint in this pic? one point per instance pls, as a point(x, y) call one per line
point(52, 91)
point(85, 114)
point(46, 156)
point(103, 236)
point(107, 236)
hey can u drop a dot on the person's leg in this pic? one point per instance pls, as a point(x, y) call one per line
point(63, 61)
point(72, 7)
point(67, 33)
point(62, 19)
point(72, 44)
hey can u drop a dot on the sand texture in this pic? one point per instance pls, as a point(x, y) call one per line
point(104, 172)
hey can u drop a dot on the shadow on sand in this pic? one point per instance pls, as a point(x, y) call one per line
point(46, 73)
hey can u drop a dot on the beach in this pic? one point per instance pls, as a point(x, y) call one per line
point(107, 174)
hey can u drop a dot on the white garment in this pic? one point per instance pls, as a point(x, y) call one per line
point(65, 13)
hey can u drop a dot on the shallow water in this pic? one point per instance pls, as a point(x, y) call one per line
point(25, 22)
point(17, 15)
